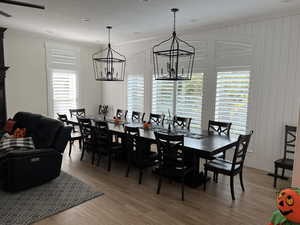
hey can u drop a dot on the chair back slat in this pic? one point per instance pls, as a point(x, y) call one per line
point(101, 134)
point(182, 122)
point(241, 151)
point(220, 128)
point(156, 119)
point(137, 116)
point(85, 126)
point(63, 118)
point(170, 150)
point(289, 140)
point(121, 114)
point(77, 112)
point(135, 145)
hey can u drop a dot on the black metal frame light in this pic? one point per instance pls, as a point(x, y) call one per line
point(173, 59)
point(109, 65)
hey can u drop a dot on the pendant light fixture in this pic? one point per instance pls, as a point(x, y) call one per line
point(109, 65)
point(173, 59)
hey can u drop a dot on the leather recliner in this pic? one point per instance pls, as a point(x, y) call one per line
point(22, 169)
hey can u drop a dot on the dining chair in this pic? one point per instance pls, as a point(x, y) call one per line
point(156, 119)
point(287, 162)
point(231, 168)
point(220, 128)
point(103, 143)
point(85, 126)
point(77, 112)
point(75, 135)
point(121, 114)
point(137, 116)
point(171, 159)
point(182, 122)
point(138, 150)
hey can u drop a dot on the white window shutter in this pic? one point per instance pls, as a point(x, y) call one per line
point(135, 94)
point(63, 70)
point(232, 99)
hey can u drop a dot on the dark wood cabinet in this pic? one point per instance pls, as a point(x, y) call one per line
point(3, 69)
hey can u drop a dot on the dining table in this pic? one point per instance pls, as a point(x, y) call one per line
point(199, 142)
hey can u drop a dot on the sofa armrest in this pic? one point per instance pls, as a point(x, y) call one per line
point(62, 138)
point(27, 168)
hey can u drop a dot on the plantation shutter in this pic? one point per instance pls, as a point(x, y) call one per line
point(189, 99)
point(232, 99)
point(135, 93)
point(163, 96)
point(63, 69)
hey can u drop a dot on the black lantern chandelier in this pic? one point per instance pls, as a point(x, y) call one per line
point(109, 65)
point(173, 58)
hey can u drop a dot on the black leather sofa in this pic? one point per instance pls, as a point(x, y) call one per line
point(21, 169)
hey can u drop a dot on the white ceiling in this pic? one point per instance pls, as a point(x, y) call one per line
point(134, 19)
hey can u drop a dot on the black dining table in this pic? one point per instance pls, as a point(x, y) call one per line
point(202, 143)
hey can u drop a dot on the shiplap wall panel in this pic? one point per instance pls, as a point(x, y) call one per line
point(275, 79)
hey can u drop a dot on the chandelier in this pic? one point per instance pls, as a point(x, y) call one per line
point(109, 65)
point(173, 59)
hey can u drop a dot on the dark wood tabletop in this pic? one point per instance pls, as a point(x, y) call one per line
point(200, 141)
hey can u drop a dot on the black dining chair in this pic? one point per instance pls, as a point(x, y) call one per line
point(137, 117)
point(103, 143)
point(287, 162)
point(220, 128)
point(171, 159)
point(75, 135)
point(231, 168)
point(121, 114)
point(77, 112)
point(85, 126)
point(139, 152)
point(156, 119)
point(182, 122)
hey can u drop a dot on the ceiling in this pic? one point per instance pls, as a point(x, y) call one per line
point(134, 19)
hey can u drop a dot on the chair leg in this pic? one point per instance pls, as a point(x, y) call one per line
point(159, 185)
point(141, 176)
point(93, 157)
point(80, 143)
point(99, 158)
point(109, 162)
point(182, 189)
point(232, 187)
point(82, 153)
point(275, 176)
point(205, 177)
point(241, 180)
point(70, 149)
point(283, 172)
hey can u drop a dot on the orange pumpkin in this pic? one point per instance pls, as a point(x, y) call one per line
point(288, 203)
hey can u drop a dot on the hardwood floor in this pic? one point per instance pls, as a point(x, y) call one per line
point(125, 202)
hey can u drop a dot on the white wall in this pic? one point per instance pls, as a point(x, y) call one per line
point(274, 95)
point(26, 82)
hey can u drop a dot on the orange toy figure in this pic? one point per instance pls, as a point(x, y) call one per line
point(288, 204)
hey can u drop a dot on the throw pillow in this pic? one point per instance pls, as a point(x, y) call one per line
point(19, 133)
point(10, 144)
point(9, 126)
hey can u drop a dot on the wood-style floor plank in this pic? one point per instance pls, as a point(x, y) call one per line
point(125, 202)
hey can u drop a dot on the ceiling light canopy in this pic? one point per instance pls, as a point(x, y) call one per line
point(109, 65)
point(173, 58)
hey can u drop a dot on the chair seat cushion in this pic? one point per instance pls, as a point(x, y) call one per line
point(285, 163)
point(220, 164)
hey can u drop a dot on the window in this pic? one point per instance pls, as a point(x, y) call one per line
point(64, 91)
point(63, 70)
point(182, 97)
point(232, 99)
point(135, 94)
